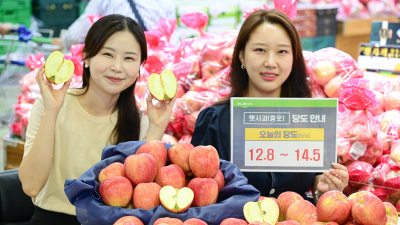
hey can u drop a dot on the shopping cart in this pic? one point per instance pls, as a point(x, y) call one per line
point(14, 49)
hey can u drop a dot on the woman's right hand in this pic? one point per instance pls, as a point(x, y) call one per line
point(53, 99)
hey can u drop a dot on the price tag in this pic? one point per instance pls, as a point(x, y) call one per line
point(283, 135)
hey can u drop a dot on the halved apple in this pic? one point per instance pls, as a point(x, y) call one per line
point(265, 211)
point(164, 86)
point(57, 69)
point(176, 200)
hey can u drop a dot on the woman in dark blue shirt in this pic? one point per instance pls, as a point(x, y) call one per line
point(267, 62)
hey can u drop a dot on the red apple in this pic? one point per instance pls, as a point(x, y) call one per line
point(334, 87)
point(233, 221)
point(169, 139)
point(156, 149)
point(116, 191)
point(181, 91)
point(220, 179)
point(325, 223)
point(324, 72)
point(391, 211)
point(390, 220)
point(129, 220)
point(265, 211)
point(392, 100)
point(225, 57)
point(194, 221)
point(209, 69)
point(297, 210)
point(261, 198)
point(191, 121)
point(179, 155)
point(204, 161)
point(185, 138)
point(353, 197)
point(309, 219)
point(135, 170)
point(398, 205)
point(195, 85)
point(258, 223)
point(146, 195)
point(381, 108)
point(333, 206)
point(168, 221)
point(289, 222)
point(205, 191)
point(171, 175)
point(176, 200)
point(285, 199)
point(113, 170)
point(369, 210)
point(350, 222)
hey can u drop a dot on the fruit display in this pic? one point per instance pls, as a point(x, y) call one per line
point(153, 180)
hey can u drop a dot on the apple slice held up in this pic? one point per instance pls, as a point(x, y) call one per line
point(265, 211)
point(164, 86)
point(57, 69)
point(176, 200)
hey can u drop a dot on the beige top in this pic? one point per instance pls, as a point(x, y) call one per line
point(79, 141)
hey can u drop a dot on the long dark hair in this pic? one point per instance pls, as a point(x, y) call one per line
point(128, 123)
point(296, 85)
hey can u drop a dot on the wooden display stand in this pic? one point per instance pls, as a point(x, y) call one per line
point(355, 31)
point(14, 150)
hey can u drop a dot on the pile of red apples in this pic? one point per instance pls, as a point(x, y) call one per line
point(144, 181)
point(333, 208)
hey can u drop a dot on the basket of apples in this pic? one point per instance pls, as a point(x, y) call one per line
point(152, 180)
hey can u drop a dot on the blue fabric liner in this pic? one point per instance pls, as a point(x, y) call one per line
point(83, 193)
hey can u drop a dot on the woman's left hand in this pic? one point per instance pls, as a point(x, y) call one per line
point(159, 114)
point(335, 179)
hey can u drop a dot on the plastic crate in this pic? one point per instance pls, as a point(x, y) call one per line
point(16, 11)
point(57, 28)
point(55, 12)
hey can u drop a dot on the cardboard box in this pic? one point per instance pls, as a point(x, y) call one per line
point(306, 32)
point(361, 27)
point(305, 21)
point(306, 12)
point(13, 152)
point(328, 11)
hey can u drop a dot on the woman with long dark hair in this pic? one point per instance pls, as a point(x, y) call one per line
point(267, 62)
point(68, 129)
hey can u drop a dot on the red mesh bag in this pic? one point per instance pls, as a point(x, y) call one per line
point(359, 173)
point(378, 176)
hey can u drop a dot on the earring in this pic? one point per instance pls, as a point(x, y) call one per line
point(243, 67)
point(86, 65)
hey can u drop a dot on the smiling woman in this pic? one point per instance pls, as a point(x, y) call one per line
point(267, 62)
point(68, 129)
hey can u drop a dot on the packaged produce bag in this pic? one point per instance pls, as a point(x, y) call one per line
point(83, 193)
point(357, 131)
